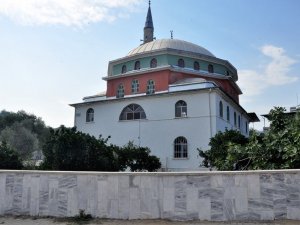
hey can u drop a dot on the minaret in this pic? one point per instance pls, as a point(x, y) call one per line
point(148, 29)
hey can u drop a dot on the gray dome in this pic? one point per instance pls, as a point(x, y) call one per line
point(170, 44)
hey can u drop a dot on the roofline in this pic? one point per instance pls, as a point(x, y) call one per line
point(165, 93)
point(141, 96)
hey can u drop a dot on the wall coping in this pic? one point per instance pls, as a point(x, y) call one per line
point(185, 173)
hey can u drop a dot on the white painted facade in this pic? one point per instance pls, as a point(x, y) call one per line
point(160, 128)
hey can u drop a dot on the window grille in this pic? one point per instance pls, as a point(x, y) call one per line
point(180, 148)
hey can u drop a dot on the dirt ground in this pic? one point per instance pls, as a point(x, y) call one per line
point(53, 221)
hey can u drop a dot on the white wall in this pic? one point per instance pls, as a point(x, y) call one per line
point(160, 129)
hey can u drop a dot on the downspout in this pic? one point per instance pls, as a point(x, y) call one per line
point(210, 120)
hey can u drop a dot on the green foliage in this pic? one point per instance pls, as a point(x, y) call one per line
point(278, 148)
point(68, 149)
point(9, 159)
point(23, 132)
point(220, 145)
point(137, 158)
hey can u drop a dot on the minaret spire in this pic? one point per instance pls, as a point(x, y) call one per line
point(149, 28)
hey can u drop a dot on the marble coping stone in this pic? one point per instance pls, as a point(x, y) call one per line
point(185, 173)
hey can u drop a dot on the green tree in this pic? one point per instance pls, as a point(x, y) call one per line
point(20, 138)
point(278, 148)
point(24, 132)
point(9, 159)
point(217, 156)
point(137, 158)
point(68, 149)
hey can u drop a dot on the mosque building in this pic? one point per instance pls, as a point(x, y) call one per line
point(169, 95)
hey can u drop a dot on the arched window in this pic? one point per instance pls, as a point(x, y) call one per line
point(221, 109)
point(180, 109)
point(132, 112)
point(135, 86)
point(239, 121)
point(150, 87)
point(210, 68)
point(153, 63)
point(196, 65)
point(180, 148)
point(137, 65)
point(90, 115)
point(120, 91)
point(234, 118)
point(228, 114)
point(181, 63)
point(124, 69)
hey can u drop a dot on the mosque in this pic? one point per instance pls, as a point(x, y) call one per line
point(169, 95)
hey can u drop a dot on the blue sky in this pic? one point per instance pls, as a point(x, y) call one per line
point(54, 52)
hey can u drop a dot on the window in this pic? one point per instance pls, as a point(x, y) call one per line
point(246, 126)
point(180, 109)
point(150, 87)
point(90, 115)
point(132, 112)
point(221, 109)
point(135, 86)
point(196, 65)
point(124, 69)
point(181, 63)
point(137, 65)
point(210, 68)
point(180, 148)
point(153, 63)
point(120, 91)
point(228, 114)
point(239, 121)
point(234, 118)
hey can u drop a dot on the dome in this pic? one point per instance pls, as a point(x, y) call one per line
point(170, 44)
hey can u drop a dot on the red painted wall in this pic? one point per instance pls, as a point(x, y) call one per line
point(162, 80)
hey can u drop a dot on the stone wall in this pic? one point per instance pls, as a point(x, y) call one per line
point(216, 196)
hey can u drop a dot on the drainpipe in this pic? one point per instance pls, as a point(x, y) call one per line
point(210, 120)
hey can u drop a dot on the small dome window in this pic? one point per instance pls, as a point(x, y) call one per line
point(210, 68)
point(181, 63)
point(137, 65)
point(124, 69)
point(153, 63)
point(196, 65)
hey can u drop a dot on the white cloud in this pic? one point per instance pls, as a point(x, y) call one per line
point(275, 73)
point(65, 12)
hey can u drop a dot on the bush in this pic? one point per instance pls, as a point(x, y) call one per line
point(68, 149)
point(9, 159)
